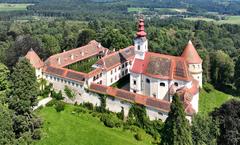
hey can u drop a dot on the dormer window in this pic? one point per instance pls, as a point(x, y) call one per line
point(176, 84)
point(72, 56)
point(162, 84)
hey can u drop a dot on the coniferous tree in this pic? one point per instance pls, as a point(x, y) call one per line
point(4, 82)
point(6, 133)
point(23, 98)
point(176, 130)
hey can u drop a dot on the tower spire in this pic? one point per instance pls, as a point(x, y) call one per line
point(141, 32)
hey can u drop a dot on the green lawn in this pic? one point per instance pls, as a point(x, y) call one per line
point(65, 128)
point(13, 7)
point(84, 66)
point(133, 9)
point(139, 9)
point(208, 101)
point(228, 20)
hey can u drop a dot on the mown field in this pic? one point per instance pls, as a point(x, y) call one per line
point(211, 100)
point(228, 20)
point(139, 9)
point(65, 128)
point(5, 7)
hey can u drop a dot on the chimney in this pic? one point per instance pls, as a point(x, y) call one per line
point(72, 56)
point(99, 45)
point(59, 60)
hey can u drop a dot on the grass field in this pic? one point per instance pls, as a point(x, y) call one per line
point(65, 128)
point(5, 7)
point(208, 101)
point(138, 9)
point(228, 20)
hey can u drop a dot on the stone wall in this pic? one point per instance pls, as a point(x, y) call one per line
point(112, 104)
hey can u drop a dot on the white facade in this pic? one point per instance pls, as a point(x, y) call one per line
point(196, 71)
point(141, 46)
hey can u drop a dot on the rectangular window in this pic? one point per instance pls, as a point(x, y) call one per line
point(138, 47)
point(134, 82)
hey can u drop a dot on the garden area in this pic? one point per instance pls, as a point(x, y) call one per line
point(84, 66)
point(123, 83)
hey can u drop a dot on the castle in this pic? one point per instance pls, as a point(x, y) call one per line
point(154, 78)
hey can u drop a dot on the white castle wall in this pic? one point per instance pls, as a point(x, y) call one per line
point(112, 104)
point(154, 114)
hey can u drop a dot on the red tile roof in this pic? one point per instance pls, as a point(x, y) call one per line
point(162, 66)
point(116, 58)
point(93, 48)
point(34, 59)
point(191, 55)
point(65, 73)
point(160, 105)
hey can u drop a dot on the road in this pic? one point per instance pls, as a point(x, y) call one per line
point(43, 102)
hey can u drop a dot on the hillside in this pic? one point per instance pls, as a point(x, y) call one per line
point(65, 128)
point(210, 100)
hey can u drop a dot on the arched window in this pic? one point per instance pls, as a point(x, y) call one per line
point(162, 84)
point(147, 80)
point(138, 47)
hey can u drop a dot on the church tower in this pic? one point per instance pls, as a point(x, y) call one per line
point(194, 62)
point(141, 42)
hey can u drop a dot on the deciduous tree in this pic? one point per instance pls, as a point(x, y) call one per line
point(229, 118)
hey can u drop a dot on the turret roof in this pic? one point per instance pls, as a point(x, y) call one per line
point(191, 55)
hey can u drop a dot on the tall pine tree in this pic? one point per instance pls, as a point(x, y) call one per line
point(176, 129)
point(4, 82)
point(23, 98)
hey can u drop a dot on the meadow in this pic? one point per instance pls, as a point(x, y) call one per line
point(139, 9)
point(66, 128)
point(210, 100)
point(5, 7)
point(227, 20)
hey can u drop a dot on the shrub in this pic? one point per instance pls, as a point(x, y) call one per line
point(132, 128)
point(140, 135)
point(208, 87)
point(95, 114)
point(88, 105)
point(79, 110)
point(51, 103)
point(70, 93)
point(60, 106)
point(57, 96)
point(36, 134)
point(120, 115)
point(110, 120)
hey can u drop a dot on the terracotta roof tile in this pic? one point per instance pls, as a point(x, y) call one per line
point(34, 59)
point(162, 66)
point(191, 55)
point(66, 73)
point(63, 59)
point(116, 58)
